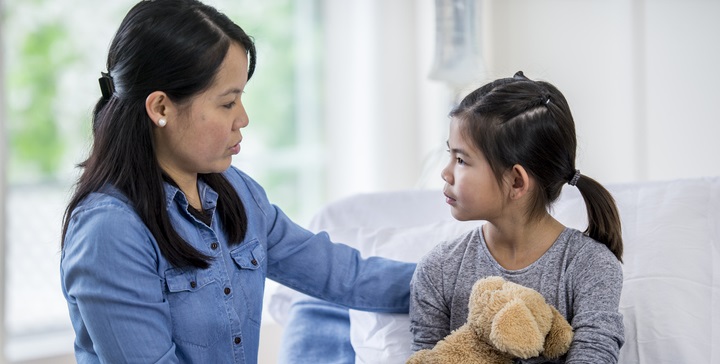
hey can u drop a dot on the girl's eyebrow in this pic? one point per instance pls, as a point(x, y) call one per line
point(456, 150)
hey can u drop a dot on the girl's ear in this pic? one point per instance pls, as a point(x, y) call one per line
point(158, 106)
point(519, 182)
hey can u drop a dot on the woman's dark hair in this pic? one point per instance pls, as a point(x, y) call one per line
point(174, 46)
point(520, 121)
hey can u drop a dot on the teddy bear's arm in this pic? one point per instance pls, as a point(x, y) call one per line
point(558, 340)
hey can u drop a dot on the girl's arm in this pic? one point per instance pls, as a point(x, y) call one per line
point(429, 311)
point(597, 322)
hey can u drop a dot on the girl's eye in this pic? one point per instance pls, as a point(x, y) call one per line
point(460, 161)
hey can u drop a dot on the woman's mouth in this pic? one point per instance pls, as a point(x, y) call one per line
point(235, 149)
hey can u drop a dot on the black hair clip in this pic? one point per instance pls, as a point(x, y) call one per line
point(107, 86)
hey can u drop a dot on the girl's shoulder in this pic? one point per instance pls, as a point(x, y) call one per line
point(584, 252)
point(578, 241)
point(452, 250)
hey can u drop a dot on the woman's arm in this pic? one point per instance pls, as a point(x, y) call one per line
point(115, 296)
point(314, 265)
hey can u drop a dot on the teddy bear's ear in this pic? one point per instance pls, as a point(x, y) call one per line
point(482, 293)
point(558, 339)
point(515, 331)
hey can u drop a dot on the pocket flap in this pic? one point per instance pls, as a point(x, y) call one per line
point(179, 279)
point(250, 255)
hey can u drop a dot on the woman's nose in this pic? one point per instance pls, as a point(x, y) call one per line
point(242, 120)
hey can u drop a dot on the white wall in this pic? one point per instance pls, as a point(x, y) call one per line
point(640, 77)
point(382, 113)
point(682, 84)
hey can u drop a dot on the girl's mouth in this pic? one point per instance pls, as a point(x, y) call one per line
point(449, 200)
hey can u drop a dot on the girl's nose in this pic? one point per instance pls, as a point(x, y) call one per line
point(446, 175)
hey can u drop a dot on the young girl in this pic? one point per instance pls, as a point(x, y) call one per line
point(512, 148)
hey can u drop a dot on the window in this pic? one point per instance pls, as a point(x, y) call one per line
point(48, 48)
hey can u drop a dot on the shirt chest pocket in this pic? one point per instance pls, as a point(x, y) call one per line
point(249, 275)
point(195, 300)
point(250, 256)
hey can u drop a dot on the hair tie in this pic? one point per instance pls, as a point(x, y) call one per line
point(107, 86)
point(573, 181)
point(519, 75)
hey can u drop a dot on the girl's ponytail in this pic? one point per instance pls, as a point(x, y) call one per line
point(603, 216)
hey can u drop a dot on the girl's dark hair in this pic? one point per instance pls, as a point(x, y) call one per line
point(520, 121)
point(174, 46)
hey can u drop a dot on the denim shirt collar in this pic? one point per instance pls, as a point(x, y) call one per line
point(208, 196)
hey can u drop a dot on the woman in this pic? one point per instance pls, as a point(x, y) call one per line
point(166, 247)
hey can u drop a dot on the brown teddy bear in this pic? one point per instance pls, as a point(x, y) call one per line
point(506, 321)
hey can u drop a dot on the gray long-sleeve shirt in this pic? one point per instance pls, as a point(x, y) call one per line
point(577, 275)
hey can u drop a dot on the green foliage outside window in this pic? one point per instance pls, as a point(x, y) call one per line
point(54, 51)
point(35, 141)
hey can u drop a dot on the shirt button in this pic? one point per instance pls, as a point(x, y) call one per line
point(214, 246)
point(238, 340)
point(193, 284)
point(254, 262)
point(227, 290)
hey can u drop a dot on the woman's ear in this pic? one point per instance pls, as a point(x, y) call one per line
point(158, 106)
point(519, 182)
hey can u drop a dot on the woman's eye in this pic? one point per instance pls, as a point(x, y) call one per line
point(230, 105)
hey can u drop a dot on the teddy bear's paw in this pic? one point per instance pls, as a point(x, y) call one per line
point(558, 340)
point(515, 331)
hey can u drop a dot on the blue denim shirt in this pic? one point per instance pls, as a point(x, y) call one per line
point(128, 304)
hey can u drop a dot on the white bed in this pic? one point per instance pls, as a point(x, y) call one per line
point(671, 294)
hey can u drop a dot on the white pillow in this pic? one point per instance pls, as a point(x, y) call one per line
point(671, 292)
point(386, 338)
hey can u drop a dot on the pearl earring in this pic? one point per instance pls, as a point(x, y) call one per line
point(162, 122)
